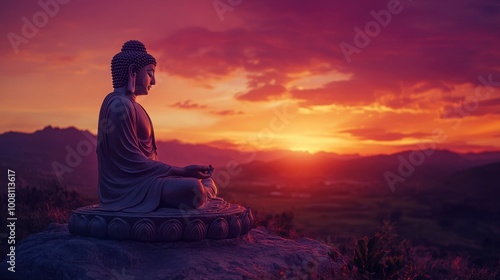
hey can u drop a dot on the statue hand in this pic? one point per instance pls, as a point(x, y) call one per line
point(197, 171)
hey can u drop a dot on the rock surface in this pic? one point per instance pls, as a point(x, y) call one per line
point(55, 254)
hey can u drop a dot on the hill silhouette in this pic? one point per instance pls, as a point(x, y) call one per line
point(471, 193)
point(68, 155)
point(369, 170)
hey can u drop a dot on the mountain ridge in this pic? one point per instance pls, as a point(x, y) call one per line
point(68, 155)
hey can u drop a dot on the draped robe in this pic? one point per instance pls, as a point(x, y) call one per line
point(130, 178)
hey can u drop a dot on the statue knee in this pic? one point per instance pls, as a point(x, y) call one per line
point(199, 191)
point(210, 187)
point(183, 193)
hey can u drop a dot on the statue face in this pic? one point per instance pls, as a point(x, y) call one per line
point(145, 79)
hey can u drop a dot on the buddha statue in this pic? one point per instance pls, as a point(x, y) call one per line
point(131, 179)
point(140, 197)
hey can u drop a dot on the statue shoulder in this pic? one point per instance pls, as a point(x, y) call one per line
point(114, 100)
point(117, 106)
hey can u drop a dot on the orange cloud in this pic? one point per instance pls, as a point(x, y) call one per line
point(405, 58)
point(380, 134)
point(263, 93)
point(188, 104)
point(228, 113)
point(476, 107)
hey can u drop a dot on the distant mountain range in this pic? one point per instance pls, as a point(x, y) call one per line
point(418, 169)
point(41, 156)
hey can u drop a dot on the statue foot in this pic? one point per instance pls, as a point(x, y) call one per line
point(210, 187)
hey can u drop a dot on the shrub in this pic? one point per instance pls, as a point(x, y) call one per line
point(373, 262)
point(277, 223)
point(384, 255)
point(37, 207)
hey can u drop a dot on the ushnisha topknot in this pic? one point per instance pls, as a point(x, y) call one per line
point(133, 52)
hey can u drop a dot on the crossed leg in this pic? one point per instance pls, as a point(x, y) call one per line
point(183, 192)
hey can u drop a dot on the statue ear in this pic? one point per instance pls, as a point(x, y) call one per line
point(132, 74)
point(133, 70)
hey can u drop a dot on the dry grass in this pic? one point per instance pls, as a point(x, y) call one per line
point(37, 207)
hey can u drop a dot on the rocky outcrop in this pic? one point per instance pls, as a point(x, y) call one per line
point(56, 254)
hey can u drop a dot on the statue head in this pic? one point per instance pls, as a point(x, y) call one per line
point(130, 67)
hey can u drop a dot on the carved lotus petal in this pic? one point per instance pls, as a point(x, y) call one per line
point(73, 224)
point(245, 223)
point(195, 230)
point(218, 220)
point(170, 230)
point(144, 230)
point(218, 229)
point(82, 226)
point(119, 229)
point(98, 227)
point(250, 216)
point(234, 227)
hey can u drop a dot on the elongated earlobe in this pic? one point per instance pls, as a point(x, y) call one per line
point(132, 74)
point(131, 85)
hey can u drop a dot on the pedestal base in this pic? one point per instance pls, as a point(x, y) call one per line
point(217, 219)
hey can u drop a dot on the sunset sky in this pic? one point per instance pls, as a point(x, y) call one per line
point(341, 76)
